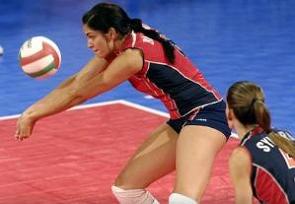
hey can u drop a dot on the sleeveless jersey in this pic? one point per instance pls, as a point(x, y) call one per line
point(273, 171)
point(180, 86)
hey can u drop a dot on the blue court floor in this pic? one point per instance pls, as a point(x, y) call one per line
point(229, 40)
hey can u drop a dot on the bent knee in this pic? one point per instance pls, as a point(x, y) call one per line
point(127, 182)
point(121, 182)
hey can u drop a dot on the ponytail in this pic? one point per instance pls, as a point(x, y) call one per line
point(247, 101)
point(136, 26)
point(262, 115)
point(263, 120)
point(287, 145)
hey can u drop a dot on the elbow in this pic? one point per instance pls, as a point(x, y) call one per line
point(90, 89)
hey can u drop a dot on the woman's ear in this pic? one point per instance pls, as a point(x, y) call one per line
point(112, 34)
point(230, 117)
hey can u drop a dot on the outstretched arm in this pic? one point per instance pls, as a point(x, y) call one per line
point(240, 170)
point(95, 78)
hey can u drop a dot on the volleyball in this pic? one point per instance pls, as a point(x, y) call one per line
point(39, 57)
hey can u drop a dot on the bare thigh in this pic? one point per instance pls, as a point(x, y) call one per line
point(153, 159)
point(197, 147)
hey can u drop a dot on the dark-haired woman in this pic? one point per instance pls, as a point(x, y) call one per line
point(263, 166)
point(125, 49)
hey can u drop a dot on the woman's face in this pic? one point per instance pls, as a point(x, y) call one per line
point(98, 42)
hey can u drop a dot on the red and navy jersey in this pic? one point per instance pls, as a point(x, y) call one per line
point(180, 86)
point(273, 171)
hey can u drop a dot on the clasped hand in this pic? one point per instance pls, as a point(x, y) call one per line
point(24, 127)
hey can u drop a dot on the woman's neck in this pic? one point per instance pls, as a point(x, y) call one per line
point(242, 130)
point(119, 43)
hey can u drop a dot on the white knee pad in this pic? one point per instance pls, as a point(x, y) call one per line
point(176, 198)
point(133, 196)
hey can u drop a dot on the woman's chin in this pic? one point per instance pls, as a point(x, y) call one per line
point(98, 54)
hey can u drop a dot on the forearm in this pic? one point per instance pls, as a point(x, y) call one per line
point(93, 80)
point(57, 101)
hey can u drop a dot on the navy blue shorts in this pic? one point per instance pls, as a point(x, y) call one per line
point(212, 116)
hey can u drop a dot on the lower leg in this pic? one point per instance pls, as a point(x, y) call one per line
point(142, 169)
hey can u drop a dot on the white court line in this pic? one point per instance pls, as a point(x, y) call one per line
point(144, 108)
point(124, 102)
point(9, 117)
point(93, 105)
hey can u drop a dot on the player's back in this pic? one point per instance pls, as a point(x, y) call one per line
point(179, 85)
point(273, 170)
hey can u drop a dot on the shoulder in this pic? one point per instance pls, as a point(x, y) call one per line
point(132, 57)
point(132, 52)
point(240, 155)
point(129, 62)
point(240, 161)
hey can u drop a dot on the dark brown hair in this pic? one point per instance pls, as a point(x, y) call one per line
point(103, 16)
point(246, 99)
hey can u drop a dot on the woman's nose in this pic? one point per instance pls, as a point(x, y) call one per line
point(89, 44)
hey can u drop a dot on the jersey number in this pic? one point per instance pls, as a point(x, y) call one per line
point(289, 160)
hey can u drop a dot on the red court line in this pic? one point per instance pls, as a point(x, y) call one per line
point(73, 157)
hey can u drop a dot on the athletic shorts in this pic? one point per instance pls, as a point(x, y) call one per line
point(213, 116)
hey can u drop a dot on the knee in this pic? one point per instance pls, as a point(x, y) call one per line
point(125, 182)
point(120, 181)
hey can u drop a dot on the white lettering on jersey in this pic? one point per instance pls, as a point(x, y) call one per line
point(262, 146)
point(265, 144)
point(288, 159)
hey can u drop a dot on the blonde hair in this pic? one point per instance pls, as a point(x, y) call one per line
point(246, 99)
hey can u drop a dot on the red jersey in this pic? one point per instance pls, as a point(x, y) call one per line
point(180, 86)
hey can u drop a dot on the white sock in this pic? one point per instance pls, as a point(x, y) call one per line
point(133, 196)
point(176, 198)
